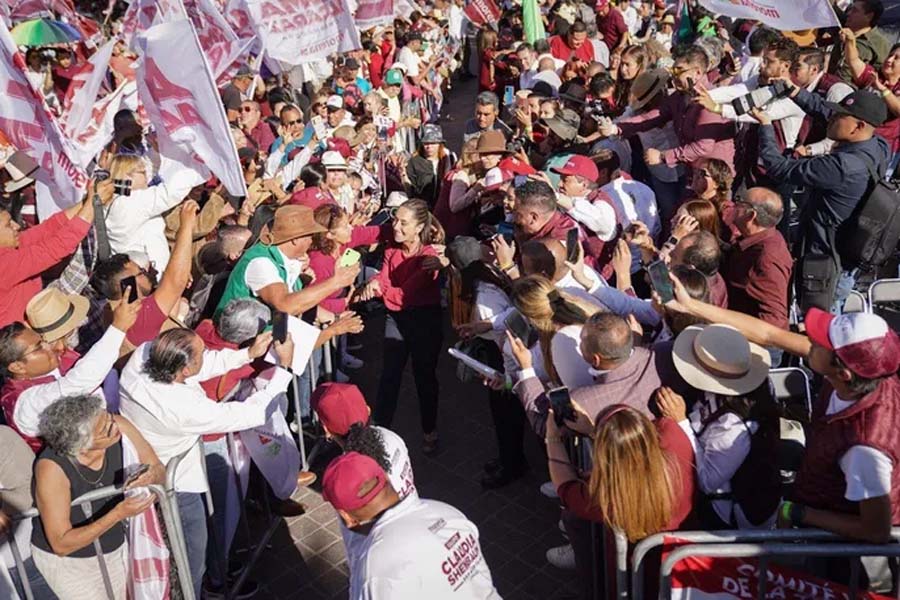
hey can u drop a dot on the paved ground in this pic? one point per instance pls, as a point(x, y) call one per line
point(517, 524)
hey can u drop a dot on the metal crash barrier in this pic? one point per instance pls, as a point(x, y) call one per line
point(745, 540)
point(177, 548)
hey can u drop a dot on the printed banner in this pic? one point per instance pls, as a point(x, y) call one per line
point(182, 102)
point(372, 13)
point(219, 42)
point(300, 32)
point(778, 14)
point(483, 12)
point(238, 17)
point(29, 126)
point(144, 14)
point(84, 88)
point(705, 578)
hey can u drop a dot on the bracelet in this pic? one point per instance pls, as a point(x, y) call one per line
point(793, 513)
point(886, 92)
point(717, 109)
point(508, 267)
point(553, 440)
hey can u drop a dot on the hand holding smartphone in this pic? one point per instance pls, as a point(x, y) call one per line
point(561, 403)
point(660, 281)
point(349, 258)
point(280, 326)
point(572, 245)
point(129, 282)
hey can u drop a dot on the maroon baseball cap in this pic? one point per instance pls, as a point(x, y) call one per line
point(579, 165)
point(339, 405)
point(516, 166)
point(863, 341)
point(348, 481)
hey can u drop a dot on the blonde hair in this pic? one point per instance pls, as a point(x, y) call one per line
point(630, 468)
point(549, 310)
point(122, 165)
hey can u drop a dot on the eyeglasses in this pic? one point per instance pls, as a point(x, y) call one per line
point(292, 123)
point(676, 71)
point(41, 345)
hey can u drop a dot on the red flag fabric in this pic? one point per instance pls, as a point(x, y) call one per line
point(482, 12)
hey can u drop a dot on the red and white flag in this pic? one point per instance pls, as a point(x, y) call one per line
point(483, 12)
point(299, 32)
point(238, 16)
point(144, 14)
point(179, 94)
point(84, 88)
point(372, 13)
point(778, 14)
point(29, 126)
point(219, 42)
point(99, 129)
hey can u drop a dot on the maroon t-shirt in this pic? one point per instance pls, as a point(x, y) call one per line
point(149, 321)
point(612, 27)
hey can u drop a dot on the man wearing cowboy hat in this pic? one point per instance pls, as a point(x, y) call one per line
point(40, 369)
point(270, 270)
point(848, 482)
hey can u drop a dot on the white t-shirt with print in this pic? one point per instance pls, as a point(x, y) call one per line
point(867, 471)
point(421, 549)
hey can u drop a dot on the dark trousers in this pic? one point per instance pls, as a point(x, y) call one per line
point(508, 416)
point(417, 332)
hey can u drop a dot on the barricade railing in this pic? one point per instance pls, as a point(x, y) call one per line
point(765, 551)
point(85, 502)
point(727, 537)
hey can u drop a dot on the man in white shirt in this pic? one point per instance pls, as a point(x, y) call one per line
point(409, 54)
point(32, 366)
point(161, 395)
point(528, 58)
point(414, 548)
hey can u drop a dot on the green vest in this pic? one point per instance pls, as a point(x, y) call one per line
point(237, 285)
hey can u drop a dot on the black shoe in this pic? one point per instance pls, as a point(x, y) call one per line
point(493, 465)
point(501, 477)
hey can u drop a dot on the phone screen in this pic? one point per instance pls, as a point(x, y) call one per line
point(572, 245)
point(561, 403)
point(659, 280)
point(279, 326)
point(521, 328)
point(132, 283)
point(133, 475)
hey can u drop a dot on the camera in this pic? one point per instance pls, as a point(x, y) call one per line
point(518, 144)
point(760, 97)
point(596, 109)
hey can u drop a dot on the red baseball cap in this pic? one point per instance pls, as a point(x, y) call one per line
point(579, 165)
point(347, 481)
point(601, 4)
point(516, 166)
point(863, 341)
point(495, 178)
point(311, 197)
point(339, 405)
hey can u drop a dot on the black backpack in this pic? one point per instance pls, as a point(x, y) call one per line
point(869, 237)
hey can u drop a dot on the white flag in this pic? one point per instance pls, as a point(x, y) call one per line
point(300, 32)
point(99, 129)
point(30, 127)
point(84, 88)
point(179, 94)
point(219, 42)
point(779, 14)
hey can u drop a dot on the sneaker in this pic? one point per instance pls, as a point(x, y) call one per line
point(549, 490)
point(348, 361)
point(248, 590)
point(430, 443)
point(562, 557)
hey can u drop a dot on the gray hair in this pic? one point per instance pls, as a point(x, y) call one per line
point(242, 319)
point(67, 424)
point(488, 99)
point(169, 353)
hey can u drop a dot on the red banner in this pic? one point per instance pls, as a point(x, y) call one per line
point(482, 12)
point(704, 578)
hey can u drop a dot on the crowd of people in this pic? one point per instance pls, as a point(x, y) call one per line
point(652, 207)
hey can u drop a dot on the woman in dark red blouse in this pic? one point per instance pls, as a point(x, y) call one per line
point(408, 284)
point(635, 459)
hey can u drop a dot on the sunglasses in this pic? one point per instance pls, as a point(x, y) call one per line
point(247, 109)
point(292, 123)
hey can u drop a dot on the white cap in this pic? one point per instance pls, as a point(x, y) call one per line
point(395, 199)
point(334, 161)
point(335, 101)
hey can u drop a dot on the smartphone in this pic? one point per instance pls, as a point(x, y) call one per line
point(132, 283)
point(135, 473)
point(659, 280)
point(381, 217)
point(509, 95)
point(692, 87)
point(561, 403)
point(519, 326)
point(349, 258)
point(572, 244)
point(280, 326)
point(507, 230)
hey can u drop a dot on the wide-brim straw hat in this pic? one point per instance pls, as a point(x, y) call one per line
point(53, 314)
point(719, 359)
point(291, 222)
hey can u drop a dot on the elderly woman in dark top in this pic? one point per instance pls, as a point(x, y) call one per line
point(84, 453)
